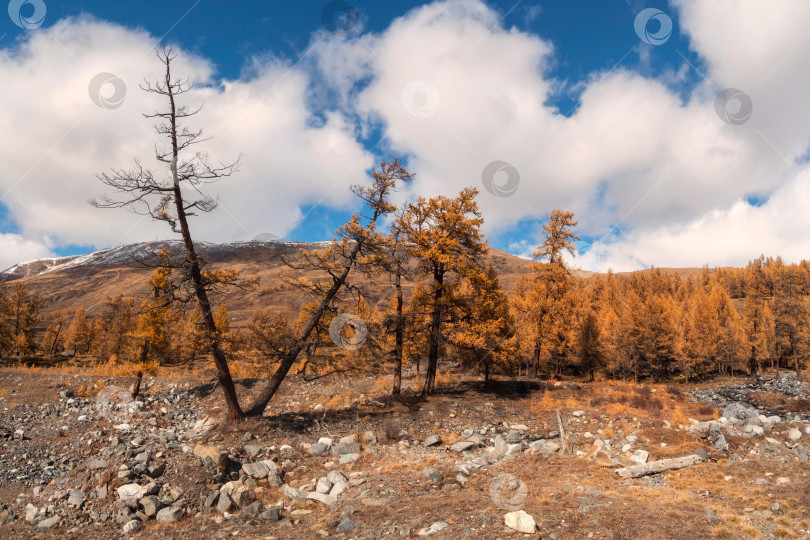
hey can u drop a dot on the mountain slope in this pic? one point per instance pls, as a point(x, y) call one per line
point(88, 280)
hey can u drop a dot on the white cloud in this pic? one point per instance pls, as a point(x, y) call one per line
point(15, 249)
point(634, 157)
point(453, 89)
point(56, 138)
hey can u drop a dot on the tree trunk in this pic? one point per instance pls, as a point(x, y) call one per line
point(435, 332)
point(136, 388)
point(399, 331)
point(486, 374)
point(795, 358)
point(659, 466)
point(223, 372)
point(753, 364)
point(56, 340)
point(535, 362)
point(271, 387)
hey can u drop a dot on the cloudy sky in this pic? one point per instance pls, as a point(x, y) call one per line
point(677, 132)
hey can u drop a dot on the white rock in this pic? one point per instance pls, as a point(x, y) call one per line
point(31, 512)
point(132, 526)
point(631, 438)
point(578, 413)
point(640, 457)
point(513, 449)
point(794, 434)
point(128, 491)
point(324, 498)
point(754, 430)
point(324, 485)
point(627, 447)
point(338, 488)
point(434, 528)
point(520, 521)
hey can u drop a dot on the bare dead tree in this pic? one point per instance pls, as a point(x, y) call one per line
point(164, 198)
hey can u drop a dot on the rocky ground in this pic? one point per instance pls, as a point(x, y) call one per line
point(78, 459)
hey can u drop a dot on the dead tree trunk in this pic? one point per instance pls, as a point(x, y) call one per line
point(136, 388)
point(399, 332)
point(659, 466)
point(271, 387)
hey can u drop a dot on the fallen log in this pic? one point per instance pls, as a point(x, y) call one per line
point(659, 466)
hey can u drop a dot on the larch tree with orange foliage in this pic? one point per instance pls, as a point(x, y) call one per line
point(483, 335)
point(547, 298)
point(444, 237)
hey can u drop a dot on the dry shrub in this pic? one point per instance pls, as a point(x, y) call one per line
point(706, 410)
point(674, 391)
point(646, 403)
point(391, 429)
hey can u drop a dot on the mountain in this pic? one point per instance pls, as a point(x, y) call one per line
point(89, 280)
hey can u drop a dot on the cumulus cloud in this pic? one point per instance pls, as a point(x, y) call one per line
point(15, 249)
point(653, 176)
point(57, 138)
point(456, 89)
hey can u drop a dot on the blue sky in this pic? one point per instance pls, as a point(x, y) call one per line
point(583, 49)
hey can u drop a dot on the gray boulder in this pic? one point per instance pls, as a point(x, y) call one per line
point(169, 515)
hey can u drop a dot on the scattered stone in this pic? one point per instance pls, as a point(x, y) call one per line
point(324, 498)
point(96, 463)
point(520, 521)
point(318, 449)
point(794, 434)
point(754, 430)
point(128, 491)
point(432, 440)
point(293, 493)
point(151, 505)
point(433, 475)
point(76, 498)
point(349, 458)
point(711, 517)
point(256, 470)
point(253, 509)
point(49, 523)
point(433, 529)
point(345, 525)
point(640, 457)
point(169, 515)
point(324, 485)
point(225, 503)
point(131, 526)
point(463, 446)
point(270, 514)
point(578, 413)
point(347, 445)
point(215, 453)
